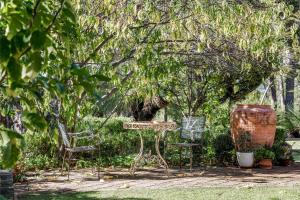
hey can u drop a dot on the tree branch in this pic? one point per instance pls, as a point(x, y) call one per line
point(115, 89)
point(56, 15)
point(96, 49)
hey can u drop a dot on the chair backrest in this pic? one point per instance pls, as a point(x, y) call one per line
point(64, 135)
point(192, 127)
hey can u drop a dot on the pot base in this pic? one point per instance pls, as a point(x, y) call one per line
point(265, 164)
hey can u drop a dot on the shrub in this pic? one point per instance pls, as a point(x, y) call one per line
point(264, 153)
point(281, 149)
point(224, 149)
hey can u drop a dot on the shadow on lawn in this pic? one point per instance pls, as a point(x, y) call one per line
point(73, 196)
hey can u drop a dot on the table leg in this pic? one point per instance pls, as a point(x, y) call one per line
point(157, 140)
point(138, 158)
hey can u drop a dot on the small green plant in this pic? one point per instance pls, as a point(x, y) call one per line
point(264, 153)
point(243, 142)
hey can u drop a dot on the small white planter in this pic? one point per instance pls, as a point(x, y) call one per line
point(245, 159)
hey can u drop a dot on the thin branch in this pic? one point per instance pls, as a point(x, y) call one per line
point(96, 49)
point(3, 77)
point(115, 89)
point(56, 15)
point(34, 12)
point(128, 56)
point(159, 23)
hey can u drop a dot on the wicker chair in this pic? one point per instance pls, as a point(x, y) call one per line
point(69, 140)
point(191, 130)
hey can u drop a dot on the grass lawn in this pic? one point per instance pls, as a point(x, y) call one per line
point(272, 193)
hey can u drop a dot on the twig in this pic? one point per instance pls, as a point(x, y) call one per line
point(55, 16)
point(96, 49)
point(3, 77)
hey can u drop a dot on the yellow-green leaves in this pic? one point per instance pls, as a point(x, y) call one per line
point(11, 144)
point(34, 121)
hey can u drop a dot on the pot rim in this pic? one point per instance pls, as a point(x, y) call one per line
point(245, 152)
point(253, 106)
point(266, 160)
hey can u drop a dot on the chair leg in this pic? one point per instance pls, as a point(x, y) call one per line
point(200, 154)
point(69, 159)
point(191, 159)
point(93, 166)
point(180, 157)
point(98, 163)
point(63, 163)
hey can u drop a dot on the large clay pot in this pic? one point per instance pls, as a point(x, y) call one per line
point(258, 120)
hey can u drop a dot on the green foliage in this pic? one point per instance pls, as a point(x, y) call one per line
point(264, 153)
point(224, 148)
point(27, 40)
point(289, 122)
point(39, 162)
point(2, 197)
point(11, 144)
point(281, 149)
point(209, 155)
point(243, 142)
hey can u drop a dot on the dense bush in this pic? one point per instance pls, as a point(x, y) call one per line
point(281, 149)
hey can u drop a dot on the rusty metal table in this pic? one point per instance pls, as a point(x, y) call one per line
point(158, 127)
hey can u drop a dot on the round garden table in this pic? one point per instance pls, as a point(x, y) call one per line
point(158, 127)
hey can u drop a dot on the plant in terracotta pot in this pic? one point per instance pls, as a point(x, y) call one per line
point(264, 156)
point(244, 152)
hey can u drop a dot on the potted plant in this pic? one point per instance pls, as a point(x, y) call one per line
point(286, 154)
point(264, 156)
point(244, 152)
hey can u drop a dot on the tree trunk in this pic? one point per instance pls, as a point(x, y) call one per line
point(290, 82)
point(273, 92)
point(289, 87)
point(281, 93)
point(17, 122)
point(166, 114)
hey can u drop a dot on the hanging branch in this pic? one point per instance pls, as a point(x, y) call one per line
point(96, 49)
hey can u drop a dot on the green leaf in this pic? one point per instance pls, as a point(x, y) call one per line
point(68, 12)
point(101, 77)
point(13, 28)
point(60, 87)
point(10, 155)
point(14, 69)
point(4, 49)
point(38, 39)
point(36, 63)
point(34, 121)
point(11, 144)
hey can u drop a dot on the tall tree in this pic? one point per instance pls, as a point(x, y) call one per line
point(292, 65)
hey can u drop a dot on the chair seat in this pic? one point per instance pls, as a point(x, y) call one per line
point(81, 149)
point(186, 144)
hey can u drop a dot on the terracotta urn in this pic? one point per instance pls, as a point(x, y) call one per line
point(258, 120)
point(265, 164)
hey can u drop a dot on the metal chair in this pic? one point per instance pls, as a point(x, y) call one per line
point(191, 131)
point(69, 140)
